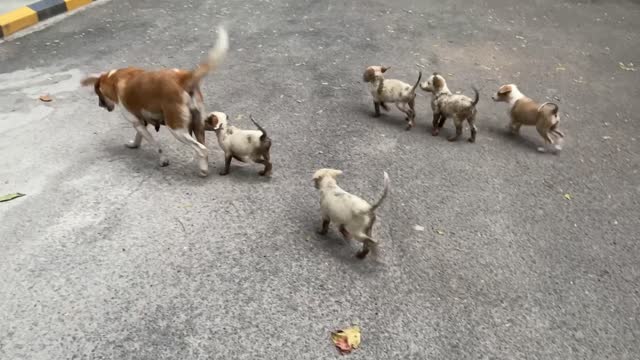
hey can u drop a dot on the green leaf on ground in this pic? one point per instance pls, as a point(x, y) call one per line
point(10, 197)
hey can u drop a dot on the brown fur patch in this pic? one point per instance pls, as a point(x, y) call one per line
point(369, 75)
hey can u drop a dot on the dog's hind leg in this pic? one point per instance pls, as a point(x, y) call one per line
point(384, 106)
point(472, 127)
point(407, 112)
point(325, 226)
point(412, 110)
point(141, 128)
point(376, 106)
point(458, 123)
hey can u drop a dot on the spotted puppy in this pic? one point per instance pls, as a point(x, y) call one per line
point(242, 145)
point(444, 105)
point(354, 215)
point(391, 91)
point(525, 111)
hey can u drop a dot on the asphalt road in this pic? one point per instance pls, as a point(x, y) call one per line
point(110, 256)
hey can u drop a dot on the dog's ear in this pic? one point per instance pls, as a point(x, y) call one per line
point(435, 74)
point(385, 68)
point(211, 122)
point(504, 90)
point(333, 173)
point(369, 75)
point(90, 80)
point(438, 81)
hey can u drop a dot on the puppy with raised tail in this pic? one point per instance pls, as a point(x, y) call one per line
point(391, 91)
point(242, 145)
point(170, 97)
point(354, 216)
point(525, 111)
point(445, 104)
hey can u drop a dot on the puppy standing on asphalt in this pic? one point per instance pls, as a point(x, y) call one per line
point(169, 97)
point(391, 91)
point(444, 104)
point(242, 145)
point(525, 111)
point(354, 215)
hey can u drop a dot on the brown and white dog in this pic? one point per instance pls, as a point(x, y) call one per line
point(391, 91)
point(445, 104)
point(354, 216)
point(242, 145)
point(170, 97)
point(525, 111)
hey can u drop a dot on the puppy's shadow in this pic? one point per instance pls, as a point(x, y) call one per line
point(247, 173)
point(520, 140)
point(392, 117)
point(342, 250)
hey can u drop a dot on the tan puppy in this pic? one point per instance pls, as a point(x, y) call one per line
point(168, 97)
point(525, 111)
point(445, 104)
point(391, 91)
point(354, 215)
point(242, 145)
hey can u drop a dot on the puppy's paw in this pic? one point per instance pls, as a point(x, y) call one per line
point(409, 127)
point(132, 145)
point(164, 162)
point(203, 173)
point(452, 138)
point(472, 140)
point(223, 173)
point(362, 254)
point(435, 132)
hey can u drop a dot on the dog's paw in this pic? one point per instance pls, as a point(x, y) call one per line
point(541, 149)
point(435, 132)
point(472, 140)
point(452, 138)
point(203, 173)
point(223, 173)
point(362, 254)
point(409, 127)
point(164, 162)
point(132, 145)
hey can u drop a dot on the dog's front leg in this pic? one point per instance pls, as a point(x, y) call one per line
point(227, 164)
point(142, 130)
point(436, 124)
point(325, 226)
point(135, 143)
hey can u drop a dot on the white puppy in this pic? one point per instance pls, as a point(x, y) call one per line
point(354, 215)
point(243, 145)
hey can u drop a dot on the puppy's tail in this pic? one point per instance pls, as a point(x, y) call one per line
point(413, 89)
point(216, 55)
point(555, 109)
point(477, 98)
point(387, 183)
point(264, 133)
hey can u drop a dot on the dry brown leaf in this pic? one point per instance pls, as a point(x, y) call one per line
point(347, 339)
point(46, 98)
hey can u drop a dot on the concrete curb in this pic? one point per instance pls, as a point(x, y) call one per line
point(32, 14)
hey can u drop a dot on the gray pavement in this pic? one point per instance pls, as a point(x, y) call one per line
point(111, 257)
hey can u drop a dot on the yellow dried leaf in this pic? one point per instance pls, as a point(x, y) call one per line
point(568, 196)
point(347, 339)
point(440, 232)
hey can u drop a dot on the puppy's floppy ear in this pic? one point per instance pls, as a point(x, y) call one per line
point(504, 90)
point(333, 172)
point(438, 81)
point(385, 68)
point(211, 122)
point(369, 75)
point(90, 80)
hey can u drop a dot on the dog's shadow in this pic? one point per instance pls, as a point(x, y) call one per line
point(342, 250)
point(516, 139)
point(392, 117)
point(180, 170)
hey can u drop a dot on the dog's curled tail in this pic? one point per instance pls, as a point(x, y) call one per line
point(264, 133)
point(216, 55)
point(387, 183)
point(477, 98)
point(555, 109)
point(413, 89)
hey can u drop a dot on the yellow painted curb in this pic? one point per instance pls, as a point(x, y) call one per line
point(17, 20)
point(74, 4)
